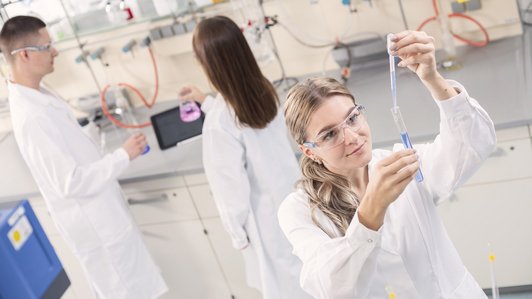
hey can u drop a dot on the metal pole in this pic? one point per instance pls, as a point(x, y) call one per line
point(80, 45)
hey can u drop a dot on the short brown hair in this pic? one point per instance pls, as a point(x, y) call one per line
point(16, 31)
point(226, 57)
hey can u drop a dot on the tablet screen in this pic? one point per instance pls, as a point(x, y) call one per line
point(170, 129)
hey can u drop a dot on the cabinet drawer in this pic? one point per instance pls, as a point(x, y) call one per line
point(511, 160)
point(195, 179)
point(186, 259)
point(202, 197)
point(231, 260)
point(153, 184)
point(161, 206)
point(498, 214)
point(512, 134)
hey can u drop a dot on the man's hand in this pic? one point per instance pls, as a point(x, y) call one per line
point(135, 145)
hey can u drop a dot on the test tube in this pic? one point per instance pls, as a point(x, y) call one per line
point(398, 118)
point(494, 288)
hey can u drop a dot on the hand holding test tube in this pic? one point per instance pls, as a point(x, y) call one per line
point(397, 117)
point(136, 136)
point(136, 145)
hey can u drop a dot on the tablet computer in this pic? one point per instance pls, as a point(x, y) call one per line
point(170, 129)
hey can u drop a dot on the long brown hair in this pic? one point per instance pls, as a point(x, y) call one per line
point(226, 57)
point(327, 191)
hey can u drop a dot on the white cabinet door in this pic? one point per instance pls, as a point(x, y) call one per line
point(195, 179)
point(499, 214)
point(202, 197)
point(153, 207)
point(230, 259)
point(511, 160)
point(189, 267)
point(165, 183)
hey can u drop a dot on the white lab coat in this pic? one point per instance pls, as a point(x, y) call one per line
point(250, 171)
point(82, 194)
point(411, 252)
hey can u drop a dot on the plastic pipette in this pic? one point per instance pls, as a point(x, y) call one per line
point(494, 288)
point(397, 117)
point(391, 60)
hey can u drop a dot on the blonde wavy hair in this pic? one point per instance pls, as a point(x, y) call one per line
point(329, 192)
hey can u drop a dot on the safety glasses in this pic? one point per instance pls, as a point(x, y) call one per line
point(41, 48)
point(336, 135)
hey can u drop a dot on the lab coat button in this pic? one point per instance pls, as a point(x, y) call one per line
point(370, 240)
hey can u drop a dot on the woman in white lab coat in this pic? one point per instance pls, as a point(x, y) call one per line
point(362, 227)
point(247, 157)
point(78, 182)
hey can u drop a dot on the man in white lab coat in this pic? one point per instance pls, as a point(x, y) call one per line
point(78, 183)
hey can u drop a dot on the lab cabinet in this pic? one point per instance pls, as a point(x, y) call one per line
point(511, 160)
point(495, 213)
point(196, 179)
point(186, 259)
point(172, 205)
point(494, 206)
point(180, 225)
point(231, 260)
point(138, 185)
point(202, 196)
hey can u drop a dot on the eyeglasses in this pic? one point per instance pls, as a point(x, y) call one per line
point(336, 135)
point(41, 48)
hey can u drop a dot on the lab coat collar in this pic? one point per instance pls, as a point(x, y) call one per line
point(42, 96)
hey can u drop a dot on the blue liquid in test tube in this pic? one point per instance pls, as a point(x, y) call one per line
point(404, 136)
point(398, 118)
point(406, 142)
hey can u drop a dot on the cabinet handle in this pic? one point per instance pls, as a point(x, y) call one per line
point(133, 201)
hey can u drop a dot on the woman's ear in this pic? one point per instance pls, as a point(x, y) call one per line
point(304, 150)
point(309, 153)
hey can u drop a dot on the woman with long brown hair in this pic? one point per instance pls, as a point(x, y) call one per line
point(248, 160)
point(362, 227)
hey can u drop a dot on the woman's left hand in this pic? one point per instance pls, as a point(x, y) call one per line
point(417, 52)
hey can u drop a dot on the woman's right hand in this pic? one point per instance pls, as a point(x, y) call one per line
point(191, 93)
point(388, 180)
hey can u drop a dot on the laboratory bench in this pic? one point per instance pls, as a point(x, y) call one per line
point(499, 76)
